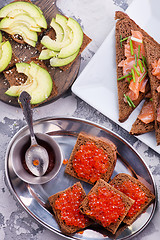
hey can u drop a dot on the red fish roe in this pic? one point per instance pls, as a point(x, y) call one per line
point(90, 162)
point(68, 203)
point(105, 206)
point(133, 191)
point(65, 161)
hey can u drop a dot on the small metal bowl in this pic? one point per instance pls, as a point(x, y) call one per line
point(18, 167)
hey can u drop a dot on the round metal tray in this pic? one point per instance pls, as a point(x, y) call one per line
point(34, 198)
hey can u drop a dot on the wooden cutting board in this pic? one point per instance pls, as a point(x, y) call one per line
point(63, 79)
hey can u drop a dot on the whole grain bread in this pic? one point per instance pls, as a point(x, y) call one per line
point(124, 25)
point(152, 49)
point(128, 202)
point(15, 78)
point(105, 144)
point(63, 226)
point(122, 177)
point(139, 127)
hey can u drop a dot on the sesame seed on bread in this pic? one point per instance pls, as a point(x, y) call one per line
point(105, 144)
point(122, 177)
point(128, 202)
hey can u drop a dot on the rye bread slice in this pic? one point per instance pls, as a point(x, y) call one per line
point(105, 144)
point(128, 202)
point(152, 49)
point(140, 127)
point(63, 226)
point(119, 179)
point(124, 25)
point(15, 78)
point(52, 35)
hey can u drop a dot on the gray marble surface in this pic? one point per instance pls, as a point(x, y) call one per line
point(15, 222)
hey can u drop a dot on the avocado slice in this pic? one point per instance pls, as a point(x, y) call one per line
point(19, 29)
point(23, 68)
point(6, 55)
point(30, 8)
point(58, 30)
point(54, 44)
point(20, 19)
point(47, 54)
point(0, 37)
point(30, 71)
point(59, 62)
point(44, 87)
point(38, 85)
point(76, 42)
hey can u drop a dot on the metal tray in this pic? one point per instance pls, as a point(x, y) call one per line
point(34, 198)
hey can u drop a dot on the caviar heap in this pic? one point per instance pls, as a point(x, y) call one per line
point(133, 191)
point(105, 206)
point(90, 162)
point(68, 203)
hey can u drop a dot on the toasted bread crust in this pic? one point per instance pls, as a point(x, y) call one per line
point(119, 179)
point(124, 25)
point(104, 144)
point(152, 49)
point(140, 127)
point(63, 226)
point(128, 202)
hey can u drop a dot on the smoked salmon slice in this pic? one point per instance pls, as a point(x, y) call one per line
point(133, 65)
point(156, 68)
point(137, 43)
point(147, 113)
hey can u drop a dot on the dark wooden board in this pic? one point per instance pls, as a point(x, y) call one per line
point(63, 79)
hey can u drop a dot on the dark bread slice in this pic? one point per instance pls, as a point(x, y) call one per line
point(63, 226)
point(152, 49)
point(119, 179)
point(105, 144)
point(15, 78)
point(124, 25)
point(128, 202)
point(52, 35)
point(140, 127)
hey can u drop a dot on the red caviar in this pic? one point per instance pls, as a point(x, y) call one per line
point(90, 162)
point(106, 206)
point(65, 161)
point(68, 203)
point(133, 191)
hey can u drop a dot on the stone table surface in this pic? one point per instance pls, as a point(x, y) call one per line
point(97, 19)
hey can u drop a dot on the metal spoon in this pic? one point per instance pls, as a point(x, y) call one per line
point(36, 156)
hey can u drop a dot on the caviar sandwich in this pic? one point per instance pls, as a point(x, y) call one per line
point(65, 206)
point(137, 191)
point(92, 158)
point(106, 205)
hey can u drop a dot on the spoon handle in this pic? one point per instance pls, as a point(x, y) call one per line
point(25, 99)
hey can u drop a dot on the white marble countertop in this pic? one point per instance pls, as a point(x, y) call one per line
point(15, 222)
